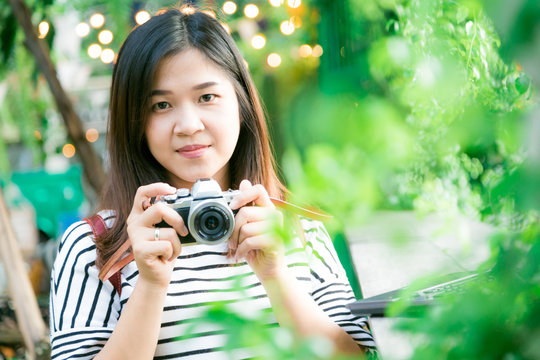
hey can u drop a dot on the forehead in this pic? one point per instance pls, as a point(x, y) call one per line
point(188, 66)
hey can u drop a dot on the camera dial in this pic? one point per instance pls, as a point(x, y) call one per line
point(205, 212)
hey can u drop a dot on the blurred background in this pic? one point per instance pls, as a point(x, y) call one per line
point(418, 106)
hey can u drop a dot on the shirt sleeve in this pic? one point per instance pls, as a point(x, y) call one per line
point(83, 309)
point(331, 289)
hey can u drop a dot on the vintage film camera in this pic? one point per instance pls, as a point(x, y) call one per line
point(205, 212)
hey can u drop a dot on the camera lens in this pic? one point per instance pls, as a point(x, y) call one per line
point(212, 223)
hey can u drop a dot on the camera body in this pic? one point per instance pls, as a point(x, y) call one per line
point(205, 212)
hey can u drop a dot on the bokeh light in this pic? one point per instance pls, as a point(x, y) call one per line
point(276, 3)
point(258, 41)
point(294, 3)
point(43, 29)
point(97, 20)
point(68, 150)
point(142, 16)
point(305, 51)
point(82, 29)
point(105, 37)
point(317, 51)
point(107, 56)
point(92, 135)
point(286, 27)
point(229, 7)
point(251, 11)
point(94, 51)
point(273, 60)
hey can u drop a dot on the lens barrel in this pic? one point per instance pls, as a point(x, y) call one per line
point(211, 221)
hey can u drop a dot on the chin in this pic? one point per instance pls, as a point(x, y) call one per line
point(194, 177)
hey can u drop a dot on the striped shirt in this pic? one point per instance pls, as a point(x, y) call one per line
point(85, 310)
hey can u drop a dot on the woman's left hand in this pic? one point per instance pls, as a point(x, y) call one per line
point(254, 237)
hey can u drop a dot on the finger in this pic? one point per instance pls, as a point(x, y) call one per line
point(244, 185)
point(250, 230)
point(161, 249)
point(244, 216)
point(258, 242)
point(253, 229)
point(146, 192)
point(169, 234)
point(162, 212)
point(248, 193)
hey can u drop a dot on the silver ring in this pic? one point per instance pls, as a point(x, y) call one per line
point(156, 234)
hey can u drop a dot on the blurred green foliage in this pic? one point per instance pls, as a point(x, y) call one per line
point(437, 118)
point(441, 124)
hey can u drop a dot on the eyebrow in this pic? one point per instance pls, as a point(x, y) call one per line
point(205, 85)
point(160, 92)
point(196, 87)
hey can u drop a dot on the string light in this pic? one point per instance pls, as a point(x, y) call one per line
point(105, 37)
point(317, 51)
point(97, 20)
point(273, 60)
point(294, 3)
point(229, 7)
point(251, 11)
point(107, 56)
point(258, 41)
point(94, 51)
point(43, 29)
point(276, 3)
point(305, 50)
point(142, 16)
point(286, 27)
point(92, 135)
point(82, 29)
point(68, 150)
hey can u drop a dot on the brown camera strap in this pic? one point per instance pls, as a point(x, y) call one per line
point(121, 257)
point(99, 228)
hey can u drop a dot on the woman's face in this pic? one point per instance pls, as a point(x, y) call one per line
point(194, 122)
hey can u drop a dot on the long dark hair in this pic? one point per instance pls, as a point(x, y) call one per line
point(131, 163)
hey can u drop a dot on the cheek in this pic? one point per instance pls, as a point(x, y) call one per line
point(154, 135)
point(234, 130)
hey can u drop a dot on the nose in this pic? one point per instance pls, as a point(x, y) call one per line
point(187, 121)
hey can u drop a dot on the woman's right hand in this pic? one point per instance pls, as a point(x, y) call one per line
point(155, 258)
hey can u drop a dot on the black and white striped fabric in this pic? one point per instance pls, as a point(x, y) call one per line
point(84, 310)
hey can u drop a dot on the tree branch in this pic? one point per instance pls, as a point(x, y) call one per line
point(92, 167)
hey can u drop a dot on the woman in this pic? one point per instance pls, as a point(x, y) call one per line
point(183, 107)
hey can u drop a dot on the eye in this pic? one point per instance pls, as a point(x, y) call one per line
point(207, 98)
point(159, 106)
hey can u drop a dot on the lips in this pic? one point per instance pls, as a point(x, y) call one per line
point(192, 147)
point(192, 151)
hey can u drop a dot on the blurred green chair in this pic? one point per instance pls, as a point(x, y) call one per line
point(56, 197)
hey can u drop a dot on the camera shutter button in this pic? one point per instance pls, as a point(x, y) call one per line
point(168, 198)
point(183, 192)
